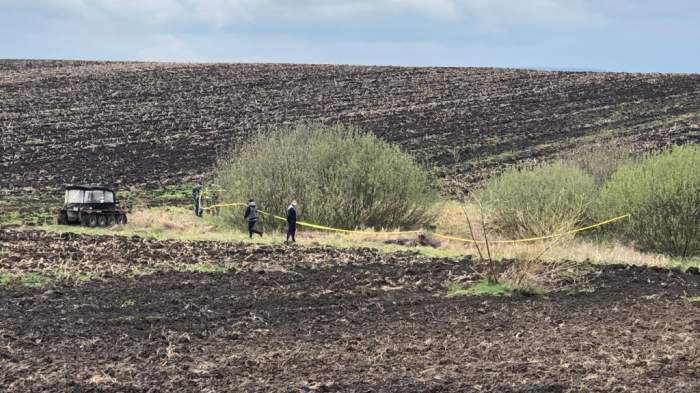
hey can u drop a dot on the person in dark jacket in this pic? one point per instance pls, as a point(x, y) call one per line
point(197, 200)
point(292, 221)
point(251, 215)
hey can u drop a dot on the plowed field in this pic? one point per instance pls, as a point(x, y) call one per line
point(320, 319)
point(146, 124)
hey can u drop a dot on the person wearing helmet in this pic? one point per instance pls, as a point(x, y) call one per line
point(292, 221)
point(251, 215)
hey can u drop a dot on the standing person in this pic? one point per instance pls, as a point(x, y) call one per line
point(292, 221)
point(197, 200)
point(214, 199)
point(251, 215)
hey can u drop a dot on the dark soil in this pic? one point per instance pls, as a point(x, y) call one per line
point(337, 320)
point(47, 252)
point(137, 125)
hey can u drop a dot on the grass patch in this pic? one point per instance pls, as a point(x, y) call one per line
point(10, 218)
point(29, 279)
point(173, 192)
point(34, 279)
point(204, 268)
point(46, 277)
point(128, 303)
point(481, 288)
point(22, 218)
point(138, 271)
point(694, 299)
point(176, 194)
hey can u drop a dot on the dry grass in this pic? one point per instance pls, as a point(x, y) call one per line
point(167, 218)
point(102, 379)
point(451, 220)
point(586, 250)
point(181, 224)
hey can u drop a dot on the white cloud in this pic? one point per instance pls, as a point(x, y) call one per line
point(220, 13)
point(166, 47)
point(605, 34)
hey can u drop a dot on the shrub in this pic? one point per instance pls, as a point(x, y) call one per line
point(340, 176)
point(538, 200)
point(662, 192)
point(601, 160)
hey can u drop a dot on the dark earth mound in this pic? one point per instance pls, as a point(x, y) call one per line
point(334, 320)
point(150, 124)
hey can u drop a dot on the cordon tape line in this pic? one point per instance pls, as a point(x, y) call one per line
point(447, 237)
point(532, 239)
point(316, 226)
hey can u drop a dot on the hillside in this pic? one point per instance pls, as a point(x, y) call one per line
point(150, 124)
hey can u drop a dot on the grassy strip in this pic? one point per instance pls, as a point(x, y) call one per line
point(481, 288)
point(168, 223)
point(22, 218)
point(171, 223)
point(30, 279)
point(203, 268)
point(174, 192)
point(175, 223)
point(55, 276)
point(45, 278)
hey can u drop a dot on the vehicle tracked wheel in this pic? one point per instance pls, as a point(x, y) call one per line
point(62, 218)
point(102, 220)
point(92, 220)
point(110, 220)
point(121, 219)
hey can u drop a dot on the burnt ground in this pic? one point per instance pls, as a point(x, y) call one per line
point(323, 319)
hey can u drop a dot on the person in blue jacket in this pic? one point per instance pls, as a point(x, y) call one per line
point(292, 221)
point(251, 215)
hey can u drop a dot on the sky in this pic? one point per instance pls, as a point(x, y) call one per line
point(605, 35)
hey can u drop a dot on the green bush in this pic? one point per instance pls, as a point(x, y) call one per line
point(340, 176)
point(662, 192)
point(538, 200)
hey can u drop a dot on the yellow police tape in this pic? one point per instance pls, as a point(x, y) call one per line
point(316, 226)
point(531, 239)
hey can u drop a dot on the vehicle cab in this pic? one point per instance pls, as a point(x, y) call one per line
point(90, 205)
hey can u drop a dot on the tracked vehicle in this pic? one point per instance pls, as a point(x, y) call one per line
point(91, 205)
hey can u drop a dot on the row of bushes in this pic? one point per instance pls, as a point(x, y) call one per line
point(661, 192)
point(345, 177)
